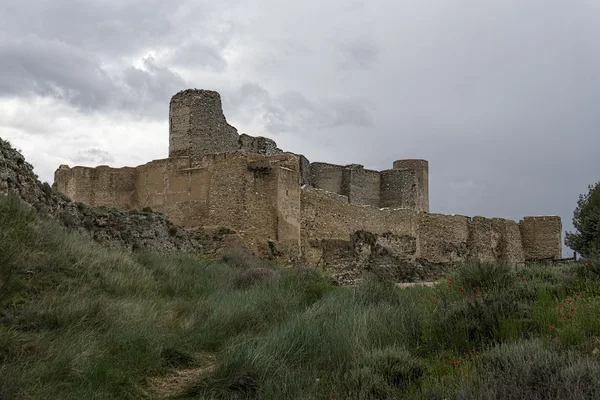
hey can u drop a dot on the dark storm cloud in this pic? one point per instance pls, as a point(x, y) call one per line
point(73, 51)
point(31, 65)
point(110, 27)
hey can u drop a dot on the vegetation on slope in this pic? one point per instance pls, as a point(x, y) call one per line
point(586, 220)
point(80, 321)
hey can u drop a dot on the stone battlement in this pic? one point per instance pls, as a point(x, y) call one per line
point(278, 203)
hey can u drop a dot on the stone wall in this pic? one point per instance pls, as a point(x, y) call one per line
point(399, 189)
point(256, 196)
point(419, 168)
point(541, 237)
point(406, 186)
point(100, 186)
point(327, 176)
point(361, 185)
point(330, 223)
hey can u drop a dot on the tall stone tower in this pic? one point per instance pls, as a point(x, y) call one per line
point(197, 125)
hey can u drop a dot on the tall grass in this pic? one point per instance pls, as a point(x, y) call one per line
point(80, 321)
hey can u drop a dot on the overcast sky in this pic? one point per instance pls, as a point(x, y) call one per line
point(502, 96)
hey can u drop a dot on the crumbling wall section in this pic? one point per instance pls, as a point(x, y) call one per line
point(541, 237)
point(409, 242)
point(258, 144)
point(327, 217)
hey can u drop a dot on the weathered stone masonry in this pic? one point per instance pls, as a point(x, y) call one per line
point(215, 178)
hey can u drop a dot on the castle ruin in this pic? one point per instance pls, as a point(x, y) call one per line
point(278, 204)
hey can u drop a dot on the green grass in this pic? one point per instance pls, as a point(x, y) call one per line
point(80, 321)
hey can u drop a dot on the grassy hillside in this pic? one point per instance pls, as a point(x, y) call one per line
point(79, 321)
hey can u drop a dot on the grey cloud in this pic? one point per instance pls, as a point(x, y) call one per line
point(357, 54)
point(348, 112)
point(500, 97)
point(198, 55)
point(51, 68)
point(291, 111)
point(33, 66)
point(150, 89)
point(93, 157)
point(114, 27)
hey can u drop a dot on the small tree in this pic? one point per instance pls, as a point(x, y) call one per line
point(586, 220)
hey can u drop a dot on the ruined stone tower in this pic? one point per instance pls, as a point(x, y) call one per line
point(197, 125)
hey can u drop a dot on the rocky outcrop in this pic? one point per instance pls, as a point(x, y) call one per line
point(126, 229)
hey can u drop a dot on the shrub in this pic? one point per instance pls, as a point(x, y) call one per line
point(483, 275)
point(252, 276)
point(383, 372)
point(528, 370)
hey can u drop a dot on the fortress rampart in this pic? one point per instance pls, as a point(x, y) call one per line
point(278, 203)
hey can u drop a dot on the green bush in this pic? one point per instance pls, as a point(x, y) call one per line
point(528, 370)
point(384, 373)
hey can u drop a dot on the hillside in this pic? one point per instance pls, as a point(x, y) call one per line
point(85, 318)
point(115, 228)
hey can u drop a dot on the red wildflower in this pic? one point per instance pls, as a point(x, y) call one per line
point(552, 327)
point(462, 290)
